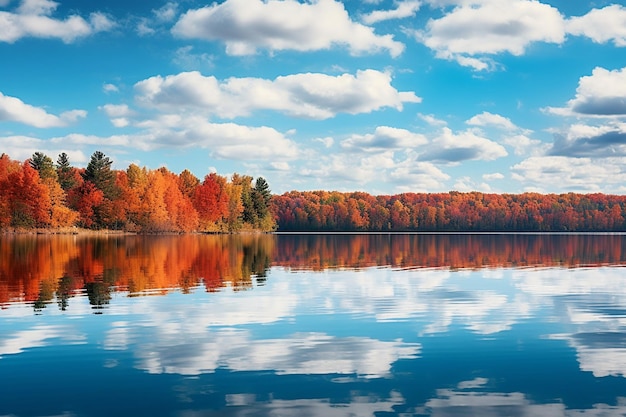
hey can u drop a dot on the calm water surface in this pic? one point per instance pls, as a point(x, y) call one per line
point(314, 325)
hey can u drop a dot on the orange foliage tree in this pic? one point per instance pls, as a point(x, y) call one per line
point(29, 198)
point(7, 167)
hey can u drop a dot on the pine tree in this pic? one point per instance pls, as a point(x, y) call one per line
point(249, 214)
point(262, 187)
point(261, 197)
point(43, 163)
point(99, 172)
point(65, 172)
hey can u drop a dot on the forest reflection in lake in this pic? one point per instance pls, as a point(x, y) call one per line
point(316, 325)
point(33, 268)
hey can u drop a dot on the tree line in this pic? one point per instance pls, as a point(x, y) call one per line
point(39, 193)
point(451, 211)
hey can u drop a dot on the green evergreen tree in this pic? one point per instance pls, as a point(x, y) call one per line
point(99, 172)
point(262, 187)
point(249, 214)
point(261, 196)
point(65, 172)
point(260, 208)
point(43, 163)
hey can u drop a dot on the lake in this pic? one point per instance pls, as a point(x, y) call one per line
point(313, 325)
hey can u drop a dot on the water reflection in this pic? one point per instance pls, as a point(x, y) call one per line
point(298, 354)
point(328, 326)
point(38, 336)
point(453, 251)
point(357, 405)
point(38, 269)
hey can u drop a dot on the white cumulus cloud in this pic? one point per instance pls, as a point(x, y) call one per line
point(117, 110)
point(524, 145)
point(33, 18)
point(22, 147)
point(491, 119)
point(466, 184)
point(492, 177)
point(110, 88)
point(221, 140)
point(224, 140)
point(12, 109)
point(411, 175)
point(118, 113)
point(550, 173)
point(384, 138)
point(404, 9)
point(432, 120)
point(475, 30)
point(347, 171)
point(510, 134)
point(601, 94)
point(309, 95)
point(247, 25)
point(592, 141)
point(466, 145)
point(601, 25)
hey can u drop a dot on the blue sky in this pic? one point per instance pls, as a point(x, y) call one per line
point(375, 95)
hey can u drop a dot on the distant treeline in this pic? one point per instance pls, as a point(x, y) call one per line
point(452, 211)
point(39, 193)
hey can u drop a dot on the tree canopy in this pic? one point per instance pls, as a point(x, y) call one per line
point(452, 211)
point(35, 193)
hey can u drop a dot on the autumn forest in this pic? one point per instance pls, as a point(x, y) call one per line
point(43, 194)
point(38, 193)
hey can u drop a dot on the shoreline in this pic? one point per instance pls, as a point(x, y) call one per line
point(62, 231)
point(78, 231)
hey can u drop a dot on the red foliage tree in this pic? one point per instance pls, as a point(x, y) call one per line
point(85, 198)
point(211, 201)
